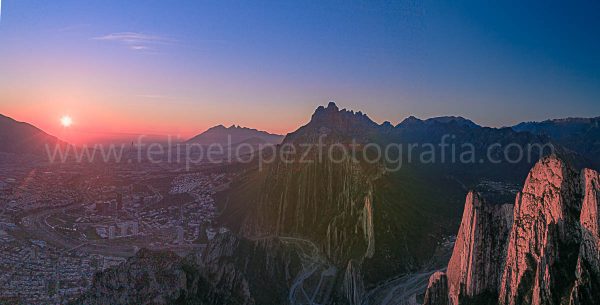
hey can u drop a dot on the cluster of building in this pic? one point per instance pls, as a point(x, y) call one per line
point(127, 207)
point(32, 272)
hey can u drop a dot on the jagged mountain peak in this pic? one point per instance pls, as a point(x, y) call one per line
point(332, 113)
point(335, 123)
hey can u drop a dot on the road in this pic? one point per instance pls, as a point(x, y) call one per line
point(313, 264)
point(36, 225)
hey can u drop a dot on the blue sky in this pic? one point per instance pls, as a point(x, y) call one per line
point(182, 66)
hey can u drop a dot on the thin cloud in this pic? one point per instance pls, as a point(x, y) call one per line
point(136, 41)
point(156, 96)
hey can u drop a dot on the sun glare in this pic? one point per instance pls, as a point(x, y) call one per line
point(66, 121)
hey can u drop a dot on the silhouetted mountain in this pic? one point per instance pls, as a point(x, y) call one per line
point(24, 138)
point(412, 121)
point(578, 134)
point(228, 136)
point(332, 124)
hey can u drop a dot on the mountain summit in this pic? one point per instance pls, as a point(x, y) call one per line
point(234, 135)
point(335, 125)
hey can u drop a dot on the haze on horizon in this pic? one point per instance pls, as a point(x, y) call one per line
point(121, 67)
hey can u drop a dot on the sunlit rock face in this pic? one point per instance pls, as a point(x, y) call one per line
point(475, 268)
point(545, 238)
point(549, 256)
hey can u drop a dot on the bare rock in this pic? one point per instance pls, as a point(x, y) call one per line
point(545, 238)
point(437, 290)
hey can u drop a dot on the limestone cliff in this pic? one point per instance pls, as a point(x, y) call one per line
point(545, 238)
point(551, 255)
point(475, 268)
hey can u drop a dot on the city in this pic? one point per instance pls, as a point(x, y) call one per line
point(60, 224)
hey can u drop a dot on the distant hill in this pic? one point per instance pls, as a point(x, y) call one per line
point(229, 136)
point(578, 134)
point(439, 120)
point(24, 138)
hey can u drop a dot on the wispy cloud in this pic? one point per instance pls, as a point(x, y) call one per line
point(136, 41)
point(156, 96)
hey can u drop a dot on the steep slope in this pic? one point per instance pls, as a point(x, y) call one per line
point(475, 268)
point(551, 253)
point(234, 135)
point(545, 238)
point(24, 138)
point(587, 285)
point(376, 220)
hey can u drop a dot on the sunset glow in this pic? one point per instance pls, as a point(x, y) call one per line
point(182, 72)
point(66, 121)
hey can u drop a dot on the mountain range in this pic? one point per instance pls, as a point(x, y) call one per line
point(578, 134)
point(361, 232)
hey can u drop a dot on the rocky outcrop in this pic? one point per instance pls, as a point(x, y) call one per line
point(242, 271)
point(545, 239)
point(231, 270)
point(475, 268)
point(147, 278)
point(587, 285)
point(551, 255)
point(437, 290)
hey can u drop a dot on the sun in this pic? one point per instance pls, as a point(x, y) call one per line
point(66, 121)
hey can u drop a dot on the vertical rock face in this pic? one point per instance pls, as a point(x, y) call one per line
point(587, 285)
point(550, 256)
point(437, 290)
point(544, 241)
point(243, 271)
point(328, 203)
point(353, 285)
point(475, 267)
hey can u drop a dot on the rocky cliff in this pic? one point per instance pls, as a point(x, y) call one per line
point(587, 284)
point(544, 242)
point(231, 270)
point(475, 268)
point(551, 253)
point(376, 220)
